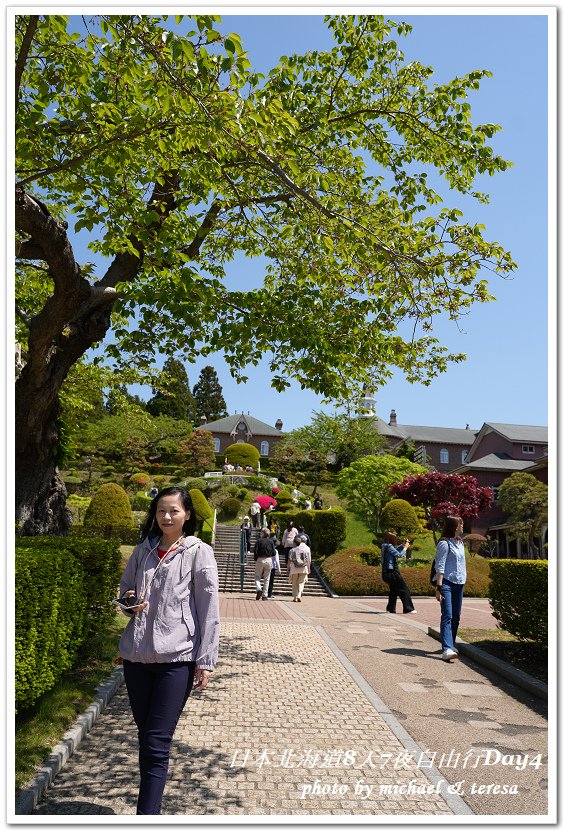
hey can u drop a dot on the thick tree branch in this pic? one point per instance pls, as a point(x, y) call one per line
point(23, 53)
point(23, 317)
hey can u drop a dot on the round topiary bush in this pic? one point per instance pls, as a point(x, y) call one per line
point(140, 501)
point(110, 506)
point(243, 454)
point(400, 517)
point(284, 500)
point(201, 505)
point(230, 508)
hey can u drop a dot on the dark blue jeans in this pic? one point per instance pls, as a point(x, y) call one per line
point(157, 693)
point(450, 607)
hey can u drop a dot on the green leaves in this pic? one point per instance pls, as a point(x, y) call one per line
point(169, 150)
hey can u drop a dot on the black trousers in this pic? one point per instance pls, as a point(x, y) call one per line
point(157, 693)
point(397, 588)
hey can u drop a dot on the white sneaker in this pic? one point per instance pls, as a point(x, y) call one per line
point(449, 654)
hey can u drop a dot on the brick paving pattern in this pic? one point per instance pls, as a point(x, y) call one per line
point(298, 686)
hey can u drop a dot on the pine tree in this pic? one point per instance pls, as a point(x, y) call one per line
point(208, 394)
point(173, 397)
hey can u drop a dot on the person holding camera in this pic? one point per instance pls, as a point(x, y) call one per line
point(390, 574)
point(451, 576)
point(171, 643)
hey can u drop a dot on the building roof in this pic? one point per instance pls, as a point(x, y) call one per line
point(518, 433)
point(497, 461)
point(229, 424)
point(430, 435)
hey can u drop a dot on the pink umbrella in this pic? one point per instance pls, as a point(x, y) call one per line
point(266, 501)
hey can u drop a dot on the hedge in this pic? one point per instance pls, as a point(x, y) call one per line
point(327, 528)
point(348, 574)
point(141, 501)
point(243, 454)
point(100, 561)
point(125, 534)
point(49, 619)
point(519, 592)
point(206, 532)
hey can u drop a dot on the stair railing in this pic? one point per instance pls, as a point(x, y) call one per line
point(214, 527)
point(243, 558)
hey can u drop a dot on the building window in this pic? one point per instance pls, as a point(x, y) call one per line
point(528, 449)
point(444, 457)
point(495, 489)
point(264, 448)
point(217, 442)
point(464, 454)
point(241, 441)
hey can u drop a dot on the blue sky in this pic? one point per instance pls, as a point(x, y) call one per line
point(504, 378)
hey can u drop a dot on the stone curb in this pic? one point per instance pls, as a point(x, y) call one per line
point(516, 676)
point(27, 799)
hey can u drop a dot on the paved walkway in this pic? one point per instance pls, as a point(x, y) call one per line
point(329, 707)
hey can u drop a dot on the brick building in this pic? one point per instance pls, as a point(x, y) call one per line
point(243, 428)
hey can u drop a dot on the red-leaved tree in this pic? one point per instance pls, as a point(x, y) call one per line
point(444, 494)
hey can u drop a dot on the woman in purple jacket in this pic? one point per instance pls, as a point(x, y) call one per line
point(172, 640)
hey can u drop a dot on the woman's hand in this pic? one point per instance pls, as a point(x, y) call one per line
point(438, 595)
point(134, 608)
point(201, 678)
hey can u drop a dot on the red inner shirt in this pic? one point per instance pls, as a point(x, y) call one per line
point(161, 553)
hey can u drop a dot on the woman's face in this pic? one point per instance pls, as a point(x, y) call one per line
point(459, 527)
point(170, 515)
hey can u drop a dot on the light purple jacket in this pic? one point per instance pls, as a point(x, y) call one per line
point(181, 621)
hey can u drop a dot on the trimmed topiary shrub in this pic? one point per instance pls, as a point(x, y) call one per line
point(243, 454)
point(72, 483)
point(201, 505)
point(230, 508)
point(140, 501)
point(110, 506)
point(518, 595)
point(284, 500)
point(206, 532)
point(400, 517)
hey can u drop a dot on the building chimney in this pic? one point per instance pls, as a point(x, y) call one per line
point(203, 420)
point(393, 418)
point(279, 424)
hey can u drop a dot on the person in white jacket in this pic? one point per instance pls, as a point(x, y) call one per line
point(299, 567)
point(171, 643)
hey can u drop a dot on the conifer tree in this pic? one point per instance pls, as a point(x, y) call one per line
point(173, 396)
point(208, 394)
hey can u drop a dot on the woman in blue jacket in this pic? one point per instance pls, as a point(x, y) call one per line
point(450, 579)
point(390, 573)
point(172, 640)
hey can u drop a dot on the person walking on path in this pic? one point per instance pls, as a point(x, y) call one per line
point(451, 576)
point(299, 567)
point(171, 642)
point(276, 567)
point(392, 576)
point(255, 513)
point(264, 551)
point(246, 527)
point(288, 539)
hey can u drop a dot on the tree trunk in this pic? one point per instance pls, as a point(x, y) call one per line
point(39, 492)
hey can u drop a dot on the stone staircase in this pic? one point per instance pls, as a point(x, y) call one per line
point(227, 547)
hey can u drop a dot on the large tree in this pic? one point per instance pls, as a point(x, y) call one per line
point(340, 438)
point(173, 155)
point(442, 494)
point(173, 396)
point(524, 500)
point(366, 484)
point(208, 394)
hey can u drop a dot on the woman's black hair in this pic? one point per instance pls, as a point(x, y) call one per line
point(151, 528)
point(449, 526)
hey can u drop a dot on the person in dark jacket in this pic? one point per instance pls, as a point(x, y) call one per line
point(264, 550)
point(390, 573)
point(247, 528)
